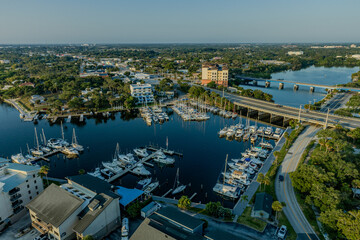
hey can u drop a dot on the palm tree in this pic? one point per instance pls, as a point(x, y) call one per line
point(44, 170)
point(244, 198)
point(266, 180)
point(276, 155)
point(277, 207)
point(260, 178)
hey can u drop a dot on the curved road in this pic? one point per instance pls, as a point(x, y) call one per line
point(285, 191)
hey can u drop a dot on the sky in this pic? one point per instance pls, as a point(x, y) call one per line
point(178, 21)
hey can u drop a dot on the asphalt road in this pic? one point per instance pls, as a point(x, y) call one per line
point(285, 191)
point(305, 115)
point(338, 101)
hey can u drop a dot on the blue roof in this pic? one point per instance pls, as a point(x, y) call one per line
point(148, 207)
point(128, 195)
point(13, 181)
point(22, 167)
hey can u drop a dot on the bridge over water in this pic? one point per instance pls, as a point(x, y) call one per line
point(296, 85)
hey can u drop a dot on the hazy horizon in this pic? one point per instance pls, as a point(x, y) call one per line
point(180, 22)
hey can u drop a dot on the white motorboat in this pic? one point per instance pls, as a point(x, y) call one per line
point(177, 186)
point(260, 130)
point(127, 159)
point(164, 159)
point(268, 130)
point(223, 132)
point(45, 149)
point(107, 172)
point(140, 170)
point(112, 166)
point(125, 229)
point(266, 145)
point(239, 133)
point(97, 174)
point(70, 151)
point(141, 152)
point(151, 187)
point(254, 137)
point(252, 129)
point(18, 158)
point(249, 170)
point(246, 136)
point(142, 184)
point(230, 133)
point(227, 190)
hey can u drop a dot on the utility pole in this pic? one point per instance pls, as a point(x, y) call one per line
point(300, 113)
point(327, 117)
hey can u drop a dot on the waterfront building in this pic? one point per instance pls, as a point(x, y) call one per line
point(262, 207)
point(143, 93)
point(19, 184)
point(83, 206)
point(169, 223)
point(35, 98)
point(149, 209)
point(215, 73)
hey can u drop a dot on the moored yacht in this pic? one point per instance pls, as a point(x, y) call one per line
point(140, 170)
point(18, 158)
point(141, 152)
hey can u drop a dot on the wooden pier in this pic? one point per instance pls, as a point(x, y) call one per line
point(154, 149)
point(45, 156)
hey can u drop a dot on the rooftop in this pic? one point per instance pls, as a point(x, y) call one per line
point(128, 195)
point(54, 205)
point(263, 202)
point(89, 214)
point(11, 181)
point(94, 184)
point(178, 217)
point(22, 167)
point(149, 206)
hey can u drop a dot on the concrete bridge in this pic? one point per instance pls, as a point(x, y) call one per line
point(296, 85)
point(260, 107)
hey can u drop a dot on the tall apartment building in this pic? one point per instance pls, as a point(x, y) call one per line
point(19, 184)
point(216, 73)
point(85, 205)
point(142, 92)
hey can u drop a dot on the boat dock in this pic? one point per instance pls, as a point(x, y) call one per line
point(45, 156)
point(168, 152)
point(143, 161)
point(193, 196)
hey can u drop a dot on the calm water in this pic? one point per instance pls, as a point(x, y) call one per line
point(203, 152)
point(317, 75)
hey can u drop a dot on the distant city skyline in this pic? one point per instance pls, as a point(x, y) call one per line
point(164, 21)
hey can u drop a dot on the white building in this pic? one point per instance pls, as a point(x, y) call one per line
point(84, 206)
point(356, 56)
point(35, 98)
point(295, 53)
point(19, 184)
point(142, 92)
point(4, 61)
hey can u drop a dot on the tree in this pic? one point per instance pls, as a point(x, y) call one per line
point(266, 180)
point(244, 198)
point(88, 237)
point(349, 224)
point(76, 103)
point(212, 208)
point(82, 171)
point(44, 170)
point(276, 155)
point(184, 202)
point(260, 179)
point(277, 207)
point(211, 84)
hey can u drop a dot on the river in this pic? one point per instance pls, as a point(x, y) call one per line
point(316, 75)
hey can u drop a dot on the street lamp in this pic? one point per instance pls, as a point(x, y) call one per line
point(300, 113)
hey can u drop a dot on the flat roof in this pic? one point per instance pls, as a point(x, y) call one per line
point(22, 167)
point(54, 205)
point(263, 201)
point(149, 206)
point(94, 184)
point(11, 181)
point(174, 215)
point(128, 195)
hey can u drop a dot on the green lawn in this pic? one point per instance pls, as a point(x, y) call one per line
point(252, 222)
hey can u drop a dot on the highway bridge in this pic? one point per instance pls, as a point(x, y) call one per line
point(259, 107)
point(296, 85)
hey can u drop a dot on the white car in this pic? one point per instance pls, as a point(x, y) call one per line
point(282, 232)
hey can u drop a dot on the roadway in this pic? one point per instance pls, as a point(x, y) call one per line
point(338, 101)
point(314, 117)
point(285, 191)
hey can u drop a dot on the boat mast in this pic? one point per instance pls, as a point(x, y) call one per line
point(176, 183)
point(62, 131)
point(225, 167)
point(45, 142)
point(74, 140)
point(37, 140)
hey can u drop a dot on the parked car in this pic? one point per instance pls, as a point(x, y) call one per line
point(282, 232)
point(281, 178)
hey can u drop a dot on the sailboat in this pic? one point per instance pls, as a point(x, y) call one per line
point(177, 186)
point(75, 143)
point(44, 142)
point(18, 158)
point(37, 151)
point(29, 156)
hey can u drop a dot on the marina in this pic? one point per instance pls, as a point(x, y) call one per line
point(198, 151)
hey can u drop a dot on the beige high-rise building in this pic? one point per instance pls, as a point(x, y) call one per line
point(216, 73)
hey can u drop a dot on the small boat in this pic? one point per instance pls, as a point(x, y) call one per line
point(266, 145)
point(106, 172)
point(246, 136)
point(222, 132)
point(37, 151)
point(164, 160)
point(227, 190)
point(141, 152)
point(112, 166)
point(18, 158)
point(75, 143)
point(253, 137)
point(177, 186)
point(96, 173)
point(140, 170)
point(125, 229)
point(70, 151)
point(151, 187)
point(142, 184)
point(230, 133)
point(127, 159)
point(268, 130)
